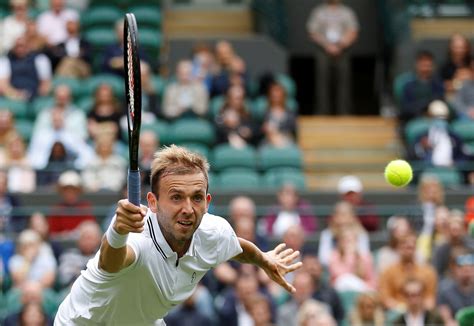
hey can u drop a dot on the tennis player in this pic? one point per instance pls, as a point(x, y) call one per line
point(151, 259)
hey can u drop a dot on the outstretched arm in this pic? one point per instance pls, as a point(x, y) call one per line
point(276, 263)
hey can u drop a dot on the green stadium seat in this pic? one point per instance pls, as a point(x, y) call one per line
point(226, 156)
point(105, 3)
point(18, 108)
point(41, 103)
point(161, 128)
point(85, 103)
point(100, 16)
point(449, 177)
point(115, 82)
point(192, 130)
point(271, 157)
point(399, 83)
point(465, 316)
point(74, 84)
point(416, 128)
point(198, 148)
point(464, 129)
point(25, 129)
point(239, 179)
point(147, 16)
point(159, 84)
point(100, 37)
point(288, 84)
point(277, 177)
point(348, 299)
point(150, 41)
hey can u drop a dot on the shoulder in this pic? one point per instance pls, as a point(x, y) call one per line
point(212, 225)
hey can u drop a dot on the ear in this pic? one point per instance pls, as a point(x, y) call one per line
point(208, 201)
point(152, 201)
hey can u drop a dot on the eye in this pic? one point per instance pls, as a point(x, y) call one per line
point(175, 197)
point(198, 198)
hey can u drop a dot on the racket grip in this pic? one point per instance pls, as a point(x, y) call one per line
point(134, 195)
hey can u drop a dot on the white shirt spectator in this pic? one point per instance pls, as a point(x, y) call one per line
point(75, 122)
point(53, 26)
point(10, 29)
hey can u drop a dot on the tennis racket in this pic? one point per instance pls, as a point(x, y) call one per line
point(133, 91)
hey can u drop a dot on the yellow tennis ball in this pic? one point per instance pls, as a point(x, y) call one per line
point(398, 173)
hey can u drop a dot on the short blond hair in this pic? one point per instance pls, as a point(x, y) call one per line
point(176, 160)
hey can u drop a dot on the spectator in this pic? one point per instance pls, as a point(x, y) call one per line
point(36, 41)
point(234, 124)
point(31, 314)
point(334, 28)
point(290, 210)
point(74, 260)
point(430, 196)
point(457, 237)
point(368, 310)
point(71, 211)
point(351, 270)
point(398, 227)
point(342, 217)
point(418, 93)
point(107, 170)
point(74, 118)
point(439, 146)
point(312, 314)
point(393, 278)
point(323, 291)
point(351, 190)
point(149, 144)
point(72, 58)
point(77, 150)
point(14, 25)
point(39, 223)
point(416, 312)
point(185, 97)
point(21, 176)
point(428, 241)
point(188, 314)
point(463, 101)
point(59, 161)
point(106, 108)
point(279, 123)
point(10, 220)
point(30, 263)
point(52, 23)
point(287, 313)
point(24, 74)
point(204, 65)
point(459, 53)
point(457, 291)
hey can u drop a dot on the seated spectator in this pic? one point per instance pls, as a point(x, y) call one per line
point(279, 123)
point(30, 314)
point(288, 312)
point(290, 210)
point(52, 23)
point(312, 314)
point(463, 100)
point(107, 170)
point(459, 53)
point(71, 58)
point(36, 41)
point(188, 314)
point(24, 74)
point(430, 196)
point(72, 210)
point(457, 292)
point(149, 144)
point(440, 145)
point(185, 97)
point(106, 108)
point(368, 310)
point(204, 65)
point(74, 260)
point(14, 25)
point(427, 241)
point(21, 176)
point(323, 291)
point(74, 118)
point(351, 190)
point(342, 217)
point(76, 148)
point(260, 310)
point(349, 269)
point(416, 313)
point(457, 236)
point(10, 220)
point(393, 278)
point(244, 208)
point(30, 263)
point(39, 223)
point(418, 93)
point(59, 160)
point(234, 124)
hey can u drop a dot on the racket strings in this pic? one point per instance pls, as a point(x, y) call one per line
point(130, 76)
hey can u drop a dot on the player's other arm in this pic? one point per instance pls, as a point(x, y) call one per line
point(114, 252)
point(276, 263)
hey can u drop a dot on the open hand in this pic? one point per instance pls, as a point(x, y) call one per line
point(279, 262)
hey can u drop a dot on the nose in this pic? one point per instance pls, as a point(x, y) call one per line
point(187, 207)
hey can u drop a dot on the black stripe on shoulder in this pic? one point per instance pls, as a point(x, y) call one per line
point(152, 234)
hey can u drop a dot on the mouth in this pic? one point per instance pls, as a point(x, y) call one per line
point(185, 224)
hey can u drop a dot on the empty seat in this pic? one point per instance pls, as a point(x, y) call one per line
point(464, 129)
point(271, 157)
point(147, 16)
point(24, 128)
point(197, 148)
point(100, 16)
point(19, 108)
point(239, 179)
point(192, 130)
point(415, 128)
point(275, 178)
point(225, 156)
point(161, 129)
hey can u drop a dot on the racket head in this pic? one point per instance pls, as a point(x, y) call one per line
point(133, 89)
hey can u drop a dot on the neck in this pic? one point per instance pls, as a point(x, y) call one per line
point(179, 247)
point(415, 310)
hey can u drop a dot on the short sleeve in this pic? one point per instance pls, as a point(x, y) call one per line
point(5, 70)
point(15, 263)
point(136, 241)
point(352, 21)
point(313, 23)
point(43, 66)
point(228, 245)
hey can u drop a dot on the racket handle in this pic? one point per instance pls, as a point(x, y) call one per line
point(134, 195)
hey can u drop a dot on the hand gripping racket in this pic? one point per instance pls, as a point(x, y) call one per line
point(133, 91)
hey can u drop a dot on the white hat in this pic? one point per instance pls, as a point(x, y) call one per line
point(438, 109)
point(70, 178)
point(349, 183)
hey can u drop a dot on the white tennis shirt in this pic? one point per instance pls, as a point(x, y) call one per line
point(144, 292)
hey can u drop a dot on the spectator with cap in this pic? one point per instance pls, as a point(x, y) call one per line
point(52, 23)
point(351, 190)
point(14, 25)
point(71, 210)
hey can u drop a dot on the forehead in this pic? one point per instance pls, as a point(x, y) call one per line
point(183, 182)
